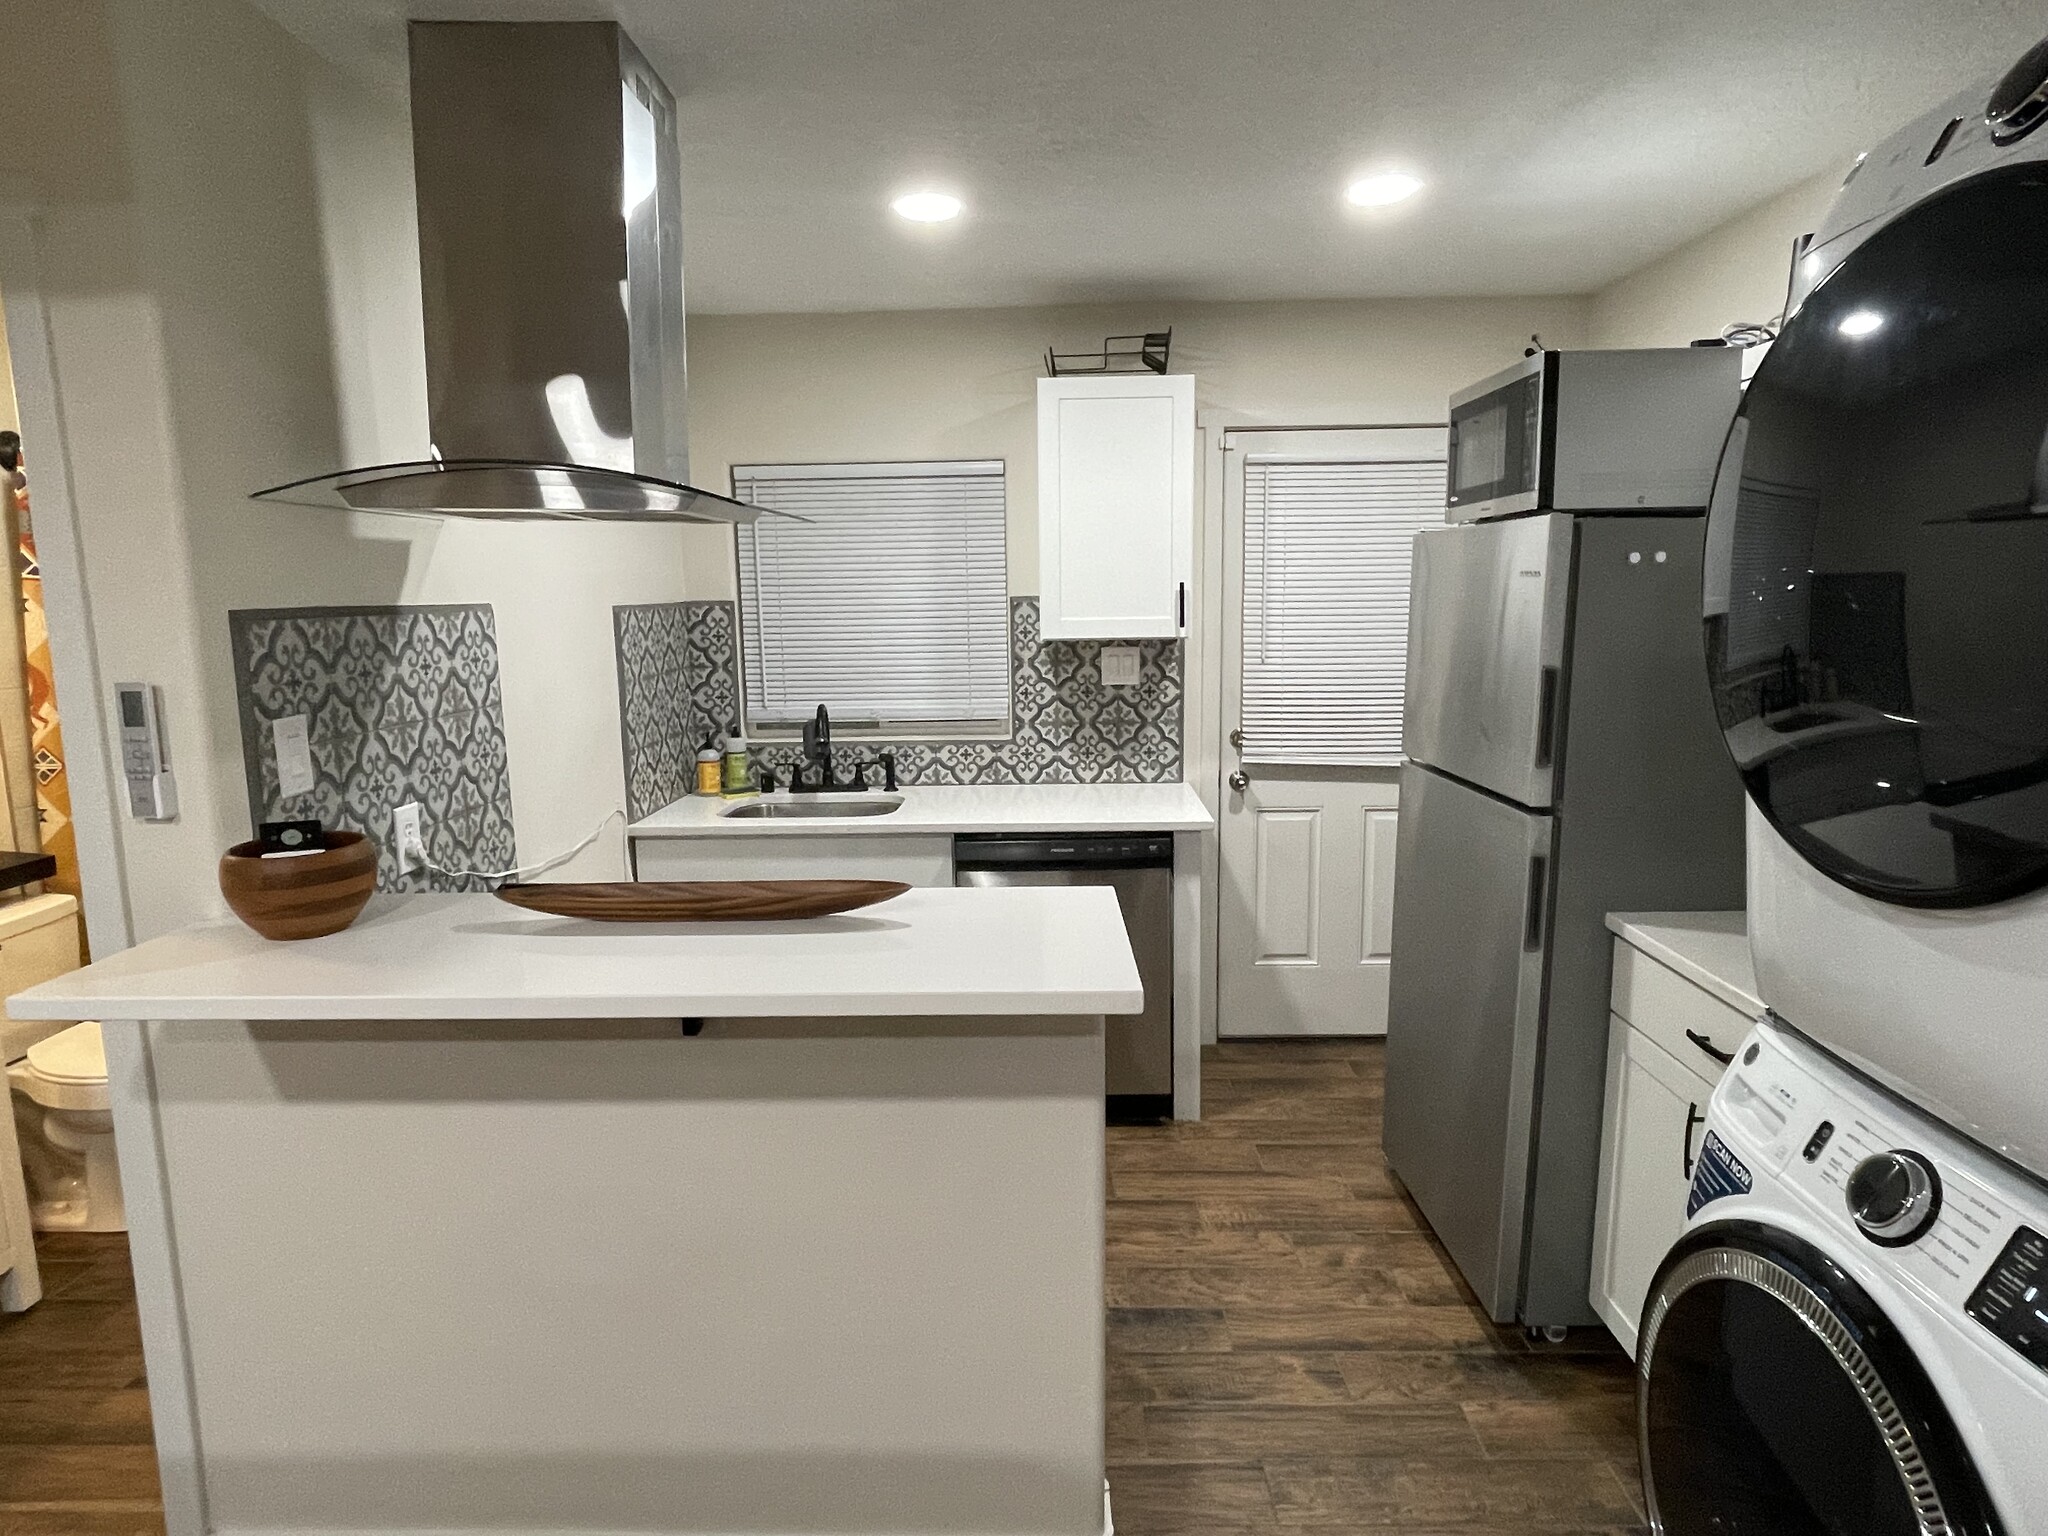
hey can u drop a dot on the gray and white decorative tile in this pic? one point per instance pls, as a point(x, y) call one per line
point(401, 704)
point(1066, 727)
point(678, 683)
point(654, 704)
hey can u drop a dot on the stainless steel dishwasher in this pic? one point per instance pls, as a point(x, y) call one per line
point(1138, 866)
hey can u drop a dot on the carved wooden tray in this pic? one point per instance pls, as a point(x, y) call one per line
point(700, 901)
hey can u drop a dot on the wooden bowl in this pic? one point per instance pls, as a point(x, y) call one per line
point(303, 897)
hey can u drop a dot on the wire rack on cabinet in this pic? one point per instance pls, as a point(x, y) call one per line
point(1143, 353)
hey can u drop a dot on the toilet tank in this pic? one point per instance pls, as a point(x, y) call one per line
point(38, 940)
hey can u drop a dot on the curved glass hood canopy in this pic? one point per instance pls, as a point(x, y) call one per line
point(514, 490)
point(546, 172)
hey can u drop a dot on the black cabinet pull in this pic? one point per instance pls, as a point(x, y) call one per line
point(1693, 1117)
point(1700, 1040)
point(1180, 604)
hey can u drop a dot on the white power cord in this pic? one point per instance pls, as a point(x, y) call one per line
point(413, 852)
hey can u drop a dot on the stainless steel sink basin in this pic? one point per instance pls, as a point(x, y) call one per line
point(822, 806)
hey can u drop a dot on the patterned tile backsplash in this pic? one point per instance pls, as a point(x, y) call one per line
point(1066, 727)
point(401, 704)
point(677, 683)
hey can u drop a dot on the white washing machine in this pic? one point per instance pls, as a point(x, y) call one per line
point(1851, 1339)
point(1877, 621)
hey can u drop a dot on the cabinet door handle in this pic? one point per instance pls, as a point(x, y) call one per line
point(1180, 604)
point(1693, 1117)
point(1700, 1040)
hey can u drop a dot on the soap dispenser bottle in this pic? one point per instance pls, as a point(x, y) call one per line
point(738, 771)
point(710, 773)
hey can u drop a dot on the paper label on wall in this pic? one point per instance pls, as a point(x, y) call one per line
point(294, 756)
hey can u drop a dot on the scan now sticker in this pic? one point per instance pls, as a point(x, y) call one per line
point(1718, 1174)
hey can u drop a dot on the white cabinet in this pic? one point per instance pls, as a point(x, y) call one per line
point(1665, 1041)
point(915, 859)
point(1116, 505)
point(1649, 1141)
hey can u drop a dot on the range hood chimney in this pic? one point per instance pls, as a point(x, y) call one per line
point(551, 271)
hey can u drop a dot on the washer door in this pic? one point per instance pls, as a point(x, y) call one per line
point(1775, 1400)
point(1876, 586)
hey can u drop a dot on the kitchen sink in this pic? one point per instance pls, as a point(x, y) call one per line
point(822, 806)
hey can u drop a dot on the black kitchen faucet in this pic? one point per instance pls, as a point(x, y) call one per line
point(817, 755)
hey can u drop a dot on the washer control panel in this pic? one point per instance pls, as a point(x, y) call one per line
point(2012, 1301)
point(1962, 1229)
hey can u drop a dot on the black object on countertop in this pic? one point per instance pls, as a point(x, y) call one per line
point(19, 869)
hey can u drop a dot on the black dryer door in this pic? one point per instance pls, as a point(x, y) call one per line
point(1775, 1399)
point(1877, 569)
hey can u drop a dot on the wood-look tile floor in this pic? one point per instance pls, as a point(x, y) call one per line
point(1289, 1349)
point(75, 1453)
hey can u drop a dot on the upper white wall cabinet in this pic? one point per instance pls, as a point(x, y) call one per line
point(1116, 505)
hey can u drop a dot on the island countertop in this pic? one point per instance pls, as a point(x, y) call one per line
point(928, 952)
point(946, 808)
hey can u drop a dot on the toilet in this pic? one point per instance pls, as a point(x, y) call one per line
point(64, 1118)
point(57, 1079)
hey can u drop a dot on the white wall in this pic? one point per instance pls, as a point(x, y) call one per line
point(231, 280)
point(962, 383)
point(1735, 273)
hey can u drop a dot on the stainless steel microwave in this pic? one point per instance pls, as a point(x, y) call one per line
point(1620, 431)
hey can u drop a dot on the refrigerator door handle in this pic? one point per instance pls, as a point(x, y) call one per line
point(1532, 925)
point(1546, 716)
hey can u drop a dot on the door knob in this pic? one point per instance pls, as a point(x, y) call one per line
point(1240, 781)
point(1237, 740)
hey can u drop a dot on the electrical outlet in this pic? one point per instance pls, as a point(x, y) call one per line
point(1119, 666)
point(408, 843)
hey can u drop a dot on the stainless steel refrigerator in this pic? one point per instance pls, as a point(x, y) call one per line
point(1564, 763)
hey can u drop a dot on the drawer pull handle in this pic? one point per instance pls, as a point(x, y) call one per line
point(1693, 1117)
point(1700, 1040)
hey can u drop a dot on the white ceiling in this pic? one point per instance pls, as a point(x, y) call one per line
point(1198, 149)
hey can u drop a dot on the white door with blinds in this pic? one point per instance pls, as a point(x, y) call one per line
point(890, 606)
point(1318, 532)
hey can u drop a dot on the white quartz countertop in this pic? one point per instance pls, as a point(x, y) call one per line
point(1019, 950)
point(943, 808)
point(1710, 949)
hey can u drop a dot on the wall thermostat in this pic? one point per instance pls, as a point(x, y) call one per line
point(145, 760)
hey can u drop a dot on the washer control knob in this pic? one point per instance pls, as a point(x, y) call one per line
point(1894, 1197)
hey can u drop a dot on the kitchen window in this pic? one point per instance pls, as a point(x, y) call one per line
point(1327, 548)
point(890, 606)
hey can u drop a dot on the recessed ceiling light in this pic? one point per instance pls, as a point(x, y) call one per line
point(927, 207)
point(1379, 191)
point(1860, 322)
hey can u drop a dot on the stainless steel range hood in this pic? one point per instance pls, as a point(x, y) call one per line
point(551, 271)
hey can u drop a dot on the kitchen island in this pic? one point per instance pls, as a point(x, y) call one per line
point(446, 1223)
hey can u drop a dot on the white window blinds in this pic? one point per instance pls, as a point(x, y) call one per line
point(1326, 560)
point(890, 605)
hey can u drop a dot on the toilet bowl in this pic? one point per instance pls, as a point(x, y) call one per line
point(63, 1116)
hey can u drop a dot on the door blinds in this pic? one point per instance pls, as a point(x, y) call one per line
point(1326, 561)
point(891, 605)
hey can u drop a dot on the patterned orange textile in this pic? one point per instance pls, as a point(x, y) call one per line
point(46, 740)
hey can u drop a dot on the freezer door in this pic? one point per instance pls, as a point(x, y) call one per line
point(1487, 611)
point(1464, 1025)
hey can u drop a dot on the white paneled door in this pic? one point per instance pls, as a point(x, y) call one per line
point(1317, 530)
